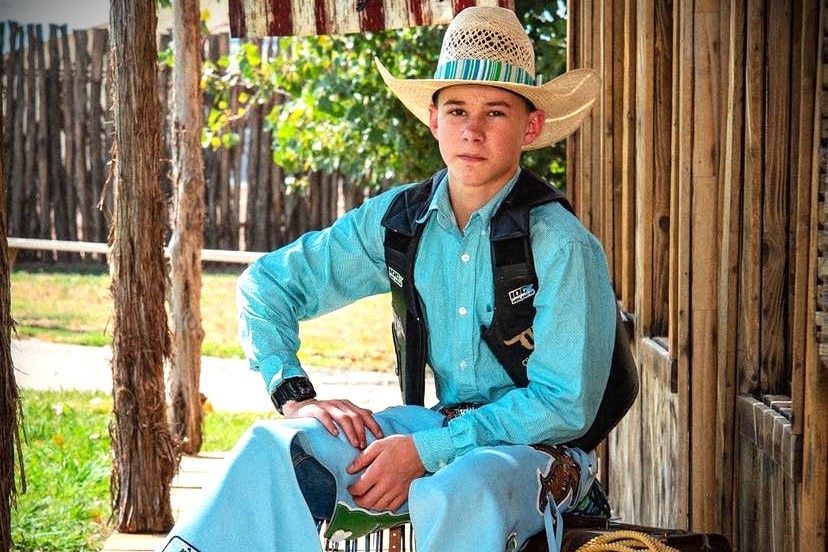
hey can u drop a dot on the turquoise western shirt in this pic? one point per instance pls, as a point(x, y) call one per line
point(574, 325)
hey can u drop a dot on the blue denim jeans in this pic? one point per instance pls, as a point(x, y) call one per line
point(317, 484)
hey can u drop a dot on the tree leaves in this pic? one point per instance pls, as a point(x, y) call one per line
point(332, 112)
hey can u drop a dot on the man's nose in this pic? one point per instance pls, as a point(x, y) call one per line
point(473, 129)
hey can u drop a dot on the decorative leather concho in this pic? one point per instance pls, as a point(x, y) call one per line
point(562, 478)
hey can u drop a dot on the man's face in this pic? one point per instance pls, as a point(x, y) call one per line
point(481, 130)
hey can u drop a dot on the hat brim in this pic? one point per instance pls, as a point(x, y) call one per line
point(566, 100)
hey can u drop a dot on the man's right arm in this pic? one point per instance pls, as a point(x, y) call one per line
point(318, 273)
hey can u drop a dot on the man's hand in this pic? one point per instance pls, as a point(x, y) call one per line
point(390, 465)
point(335, 415)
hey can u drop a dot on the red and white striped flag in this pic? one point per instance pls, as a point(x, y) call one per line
point(259, 18)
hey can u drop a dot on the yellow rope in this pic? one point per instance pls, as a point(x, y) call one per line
point(624, 541)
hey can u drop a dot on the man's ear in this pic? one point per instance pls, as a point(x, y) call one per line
point(432, 119)
point(534, 125)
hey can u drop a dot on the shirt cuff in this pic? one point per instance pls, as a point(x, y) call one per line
point(435, 448)
point(275, 370)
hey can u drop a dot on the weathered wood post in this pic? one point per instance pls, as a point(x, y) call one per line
point(143, 446)
point(188, 234)
point(9, 397)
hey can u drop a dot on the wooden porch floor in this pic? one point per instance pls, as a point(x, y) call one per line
point(193, 473)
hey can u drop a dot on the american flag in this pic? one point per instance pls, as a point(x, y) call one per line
point(260, 18)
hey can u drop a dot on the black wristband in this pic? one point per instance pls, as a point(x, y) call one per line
point(292, 389)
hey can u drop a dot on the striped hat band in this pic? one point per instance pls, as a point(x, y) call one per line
point(483, 70)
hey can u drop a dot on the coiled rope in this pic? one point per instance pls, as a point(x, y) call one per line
point(624, 541)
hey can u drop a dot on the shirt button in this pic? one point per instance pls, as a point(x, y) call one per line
point(463, 364)
point(465, 257)
point(462, 311)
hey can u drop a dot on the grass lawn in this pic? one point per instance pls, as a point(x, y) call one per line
point(76, 307)
point(66, 507)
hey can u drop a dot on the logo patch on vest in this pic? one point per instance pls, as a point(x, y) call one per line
point(526, 338)
point(395, 276)
point(521, 294)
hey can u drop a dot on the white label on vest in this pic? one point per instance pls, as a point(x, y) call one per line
point(521, 293)
point(395, 276)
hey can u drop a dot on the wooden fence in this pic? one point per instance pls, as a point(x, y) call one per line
point(57, 111)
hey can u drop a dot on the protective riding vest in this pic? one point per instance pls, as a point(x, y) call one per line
point(510, 334)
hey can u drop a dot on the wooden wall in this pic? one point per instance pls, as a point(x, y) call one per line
point(699, 173)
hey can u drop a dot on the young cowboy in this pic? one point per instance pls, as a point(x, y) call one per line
point(488, 465)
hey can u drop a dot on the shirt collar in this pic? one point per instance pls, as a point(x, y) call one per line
point(441, 203)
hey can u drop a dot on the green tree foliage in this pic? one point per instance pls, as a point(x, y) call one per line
point(547, 29)
point(336, 114)
point(339, 116)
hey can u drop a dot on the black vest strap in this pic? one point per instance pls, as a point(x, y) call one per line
point(409, 332)
point(510, 335)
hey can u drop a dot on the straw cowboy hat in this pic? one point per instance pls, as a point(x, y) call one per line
point(487, 45)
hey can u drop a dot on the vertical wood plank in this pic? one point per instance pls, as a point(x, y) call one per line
point(803, 184)
point(222, 192)
point(604, 139)
point(80, 176)
point(575, 25)
point(645, 13)
point(67, 229)
point(662, 108)
point(251, 238)
point(584, 174)
point(814, 510)
point(29, 160)
point(213, 183)
point(681, 252)
point(43, 124)
point(627, 282)
point(704, 265)
point(96, 124)
point(3, 29)
point(621, 471)
point(396, 14)
point(55, 117)
point(14, 113)
point(730, 201)
point(750, 290)
point(231, 197)
point(660, 499)
point(775, 215)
